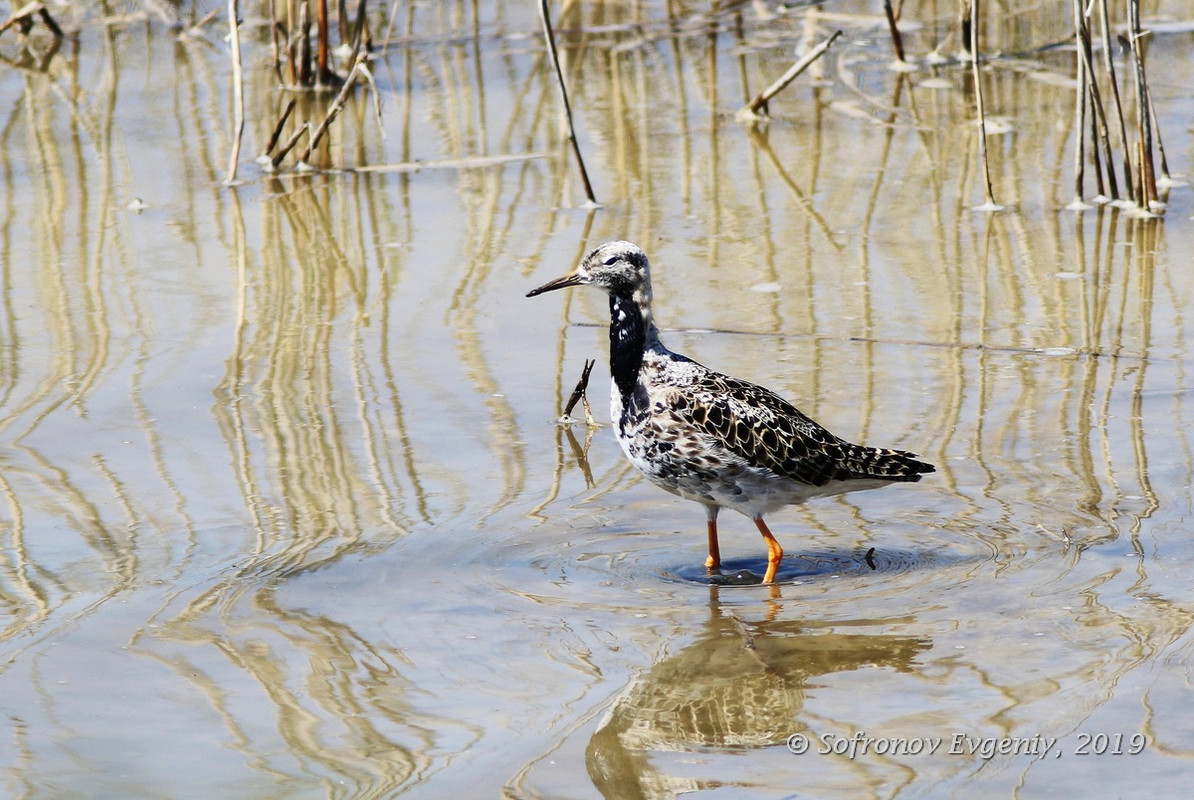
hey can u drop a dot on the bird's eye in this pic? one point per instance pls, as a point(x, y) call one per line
point(609, 262)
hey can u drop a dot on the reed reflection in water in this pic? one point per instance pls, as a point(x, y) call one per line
point(286, 513)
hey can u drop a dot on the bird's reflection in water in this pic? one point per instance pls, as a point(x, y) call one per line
point(740, 685)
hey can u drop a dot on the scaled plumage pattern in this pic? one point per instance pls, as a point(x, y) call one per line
point(719, 441)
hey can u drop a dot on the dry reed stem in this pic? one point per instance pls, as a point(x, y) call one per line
point(335, 109)
point(1152, 113)
point(897, 41)
point(751, 110)
point(390, 22)
point(473, 162)
point(1146, 193)
point(1113, 83)
point(549, 36)
point(1079, 115)
point(277, 132)
point(323, 72)
point(990, 205)
point(238, 89)
point(578, 393)
point(304, 28)
point(290, 143)
point(1099, 121)
point(359, 39)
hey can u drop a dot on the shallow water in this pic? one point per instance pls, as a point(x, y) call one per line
point(287, 513)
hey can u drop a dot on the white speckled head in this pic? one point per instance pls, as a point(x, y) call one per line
point(620, 268)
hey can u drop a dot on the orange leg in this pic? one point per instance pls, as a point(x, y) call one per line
point(774, 551)
point(714, 559)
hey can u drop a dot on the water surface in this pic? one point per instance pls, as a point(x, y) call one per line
point(287, 513)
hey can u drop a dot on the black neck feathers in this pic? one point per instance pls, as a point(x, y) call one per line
point(627, 337)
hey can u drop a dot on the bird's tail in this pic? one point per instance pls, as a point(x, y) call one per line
point(891, 465)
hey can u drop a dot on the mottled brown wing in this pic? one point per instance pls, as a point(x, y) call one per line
point(767, 431)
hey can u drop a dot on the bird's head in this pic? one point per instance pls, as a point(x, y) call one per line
point(620, 268)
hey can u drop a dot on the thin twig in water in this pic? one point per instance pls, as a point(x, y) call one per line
point(1109, 68)
point(897, 41)
point(1152, 113)
point(1099, 121)
point(273, 139)
point(238, 89)
point(390, 22)
point(549, 35)
point(364, 70)
point(990, 205)
point(751, 110)
point(334, 110)
point(290, 143)
point(358, 39)
point(1146, 193)
point(578, 394)
point(1079, 115)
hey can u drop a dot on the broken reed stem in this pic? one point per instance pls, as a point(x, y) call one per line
point(290, 143)
point(335, 109)
point(897, 41)
point(978, 99)
point(549, 35)
point(277, 133)
point(759, 103)
point(581, 386)
point(238, 89)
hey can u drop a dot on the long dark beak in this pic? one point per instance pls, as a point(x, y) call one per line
point(572, 279)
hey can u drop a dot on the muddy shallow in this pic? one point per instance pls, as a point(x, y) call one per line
point(286, 511)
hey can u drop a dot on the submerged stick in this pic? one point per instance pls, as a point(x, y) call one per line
point(238, 89)
point(549, 35)
point(759, 103)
